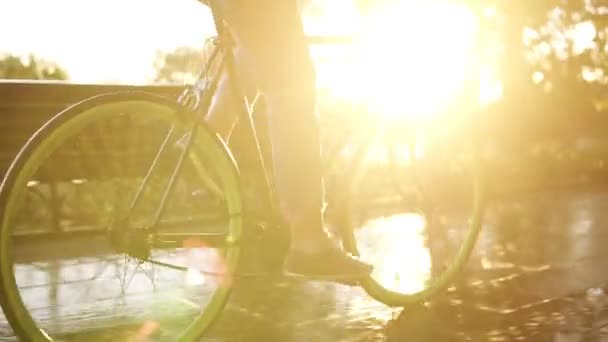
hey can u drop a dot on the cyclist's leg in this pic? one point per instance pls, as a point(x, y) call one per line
point(265, 30)
point(222, 115)
point(272, 35)
point(224, 110)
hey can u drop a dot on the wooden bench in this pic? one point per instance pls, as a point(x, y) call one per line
point(26, 106)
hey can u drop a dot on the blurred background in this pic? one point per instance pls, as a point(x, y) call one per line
point(525, 76)
point(525, 63)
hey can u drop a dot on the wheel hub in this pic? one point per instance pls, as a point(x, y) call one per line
point(128, 240)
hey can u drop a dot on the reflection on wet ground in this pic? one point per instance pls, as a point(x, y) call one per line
point(537, 274)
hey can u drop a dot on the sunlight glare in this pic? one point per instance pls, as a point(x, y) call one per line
point(490, 86)
point(404, 265)
point(110, 41)
point(398, 68)
point(194, 277)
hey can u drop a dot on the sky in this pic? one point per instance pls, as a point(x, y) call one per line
point(102, 41)
point(116, 40)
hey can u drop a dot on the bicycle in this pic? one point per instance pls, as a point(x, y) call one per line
point(185, 168)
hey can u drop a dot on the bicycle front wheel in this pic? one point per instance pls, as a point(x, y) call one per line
point(105, 259)
point(404, 235)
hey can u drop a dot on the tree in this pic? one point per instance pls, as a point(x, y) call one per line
point(181, 65)
point(540, 57)
point(555, 54)
point(553, 66)
point(30, 68)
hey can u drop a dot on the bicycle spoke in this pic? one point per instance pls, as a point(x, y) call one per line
point(86, 292)
point(146, 178)
point(209, 183)
point(189, 269)
point(123, 280)
point(176, 171)
point(150, 273)
point(179, 240)
point(102, 272)
point(169, 266)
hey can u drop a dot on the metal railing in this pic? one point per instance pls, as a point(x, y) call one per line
point(55, 200)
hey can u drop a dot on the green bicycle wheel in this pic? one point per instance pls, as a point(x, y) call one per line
point(95, 266)
point(381, 222)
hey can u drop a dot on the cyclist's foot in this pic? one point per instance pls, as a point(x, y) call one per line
point(329, 264)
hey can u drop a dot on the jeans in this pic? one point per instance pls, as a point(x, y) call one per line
point(272, 56)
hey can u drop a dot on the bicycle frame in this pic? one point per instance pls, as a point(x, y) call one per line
point(223, 52)
point(197, 99)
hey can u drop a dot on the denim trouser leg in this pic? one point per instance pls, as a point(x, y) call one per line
point(273, 47)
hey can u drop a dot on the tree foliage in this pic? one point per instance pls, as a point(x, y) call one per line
point(554, 48)
point(560, 42)
point(30, 68)
point(181, 65)
point(551, 57)
point(552, 62)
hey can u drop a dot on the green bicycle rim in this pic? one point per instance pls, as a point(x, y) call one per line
point(442, 281)
point(52, 135)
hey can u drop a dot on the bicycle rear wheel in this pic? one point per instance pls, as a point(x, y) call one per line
point(95, 266)
point(384, 219)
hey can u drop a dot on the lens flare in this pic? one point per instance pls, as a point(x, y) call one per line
point(205, 263)
point(146, 330)
point(404, 62)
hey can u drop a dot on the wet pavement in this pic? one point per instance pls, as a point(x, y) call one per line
point(538, 273)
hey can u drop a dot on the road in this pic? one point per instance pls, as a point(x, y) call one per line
point(537, 274)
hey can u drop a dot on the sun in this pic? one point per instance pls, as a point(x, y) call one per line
point(410, 59)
